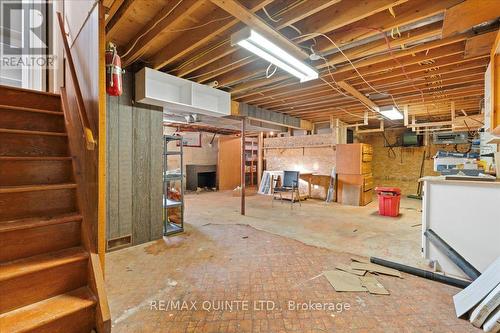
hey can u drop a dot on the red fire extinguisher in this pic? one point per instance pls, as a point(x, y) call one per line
point(113, 71)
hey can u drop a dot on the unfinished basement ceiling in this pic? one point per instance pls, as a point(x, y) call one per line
point(396, 45)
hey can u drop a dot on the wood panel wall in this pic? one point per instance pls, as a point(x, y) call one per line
point(134, 167)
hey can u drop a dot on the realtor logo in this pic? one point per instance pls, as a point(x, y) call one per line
point(24, 34)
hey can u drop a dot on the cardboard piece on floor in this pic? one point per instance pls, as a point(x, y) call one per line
point(478, 289)
point(487, 306)
point(375, 268)
point(348, 269)
point(492, 324)
point(373, 286)
point(342, 281)
point(360, 259)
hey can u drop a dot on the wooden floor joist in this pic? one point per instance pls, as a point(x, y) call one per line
point(394, 46)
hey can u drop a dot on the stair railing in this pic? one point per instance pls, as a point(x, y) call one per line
point(87, 131)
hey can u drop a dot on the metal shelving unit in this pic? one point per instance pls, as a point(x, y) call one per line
point(172, 223)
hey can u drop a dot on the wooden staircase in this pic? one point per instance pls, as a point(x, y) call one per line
point(49, 279)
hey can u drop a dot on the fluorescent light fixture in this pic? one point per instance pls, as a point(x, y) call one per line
point(267, 50)
point(390, 112)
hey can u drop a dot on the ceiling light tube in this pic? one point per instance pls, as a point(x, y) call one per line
point(390, 112)
point(264, 48)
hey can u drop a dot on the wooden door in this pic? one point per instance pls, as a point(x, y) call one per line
point(229, 163)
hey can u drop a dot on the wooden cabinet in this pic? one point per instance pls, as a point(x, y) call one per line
point(354, 158)
point(364, 182)
point(354, 172)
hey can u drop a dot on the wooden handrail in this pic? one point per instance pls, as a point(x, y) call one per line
point(87, 131)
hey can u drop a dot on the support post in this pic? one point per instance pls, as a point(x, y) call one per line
point(243, 121)
point(405, 115)
point(260, 161)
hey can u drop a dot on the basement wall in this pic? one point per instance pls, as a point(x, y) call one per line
point(134, 169)
point(312, 153)
point(402, 170)
point(204, 155)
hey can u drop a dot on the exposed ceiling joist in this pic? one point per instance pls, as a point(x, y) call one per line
point(351, 90)
point(113, 9)
point(239, 11)
point(198, 38)
point(469, 13)
point(122, 10)
point(168, 16)
point(480, 45)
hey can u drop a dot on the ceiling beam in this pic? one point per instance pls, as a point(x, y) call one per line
point(348, 14)
point(322, 95)
point(113, 9)
point(121, 12)
point(479, 45)
point(171, 14)
point(469, 13)
point(341, 15)
point(366, 62)
point(406, 13)
point(240, 12)
point(353, 53)
point(187, 43)
point(351, 90)
point(301, 11)
point(347, 72)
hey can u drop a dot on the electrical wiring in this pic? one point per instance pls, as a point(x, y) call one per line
point(216, 70)
point(391, 153)
point(172, 30)
point(269, 16)
point(200, 26)
point(392, 55)
point(267, 70)
point(151, 28)
point(198, 56)
point(296, 29)
point(338, 90)
point(354, 67)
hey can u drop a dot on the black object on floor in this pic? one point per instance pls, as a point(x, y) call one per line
point(453, 255)
point(422, 273)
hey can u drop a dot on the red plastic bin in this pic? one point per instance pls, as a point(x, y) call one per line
point(388, 200)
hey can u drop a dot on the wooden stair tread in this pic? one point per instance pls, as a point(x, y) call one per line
point(35, 158)
point(28, 132)
point(31, 188)
point(35, 222)
point(29, 265)
point(38, 314)
point(22, 108)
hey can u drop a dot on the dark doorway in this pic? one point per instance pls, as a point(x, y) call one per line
point(206, 179)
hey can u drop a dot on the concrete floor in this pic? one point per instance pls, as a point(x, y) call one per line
point(358, 230)
point(274, 255)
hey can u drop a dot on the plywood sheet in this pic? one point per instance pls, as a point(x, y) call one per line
point(360, 259)
point(375, 268)
point(342, 281)
point(373, 285)
point(350, 270)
